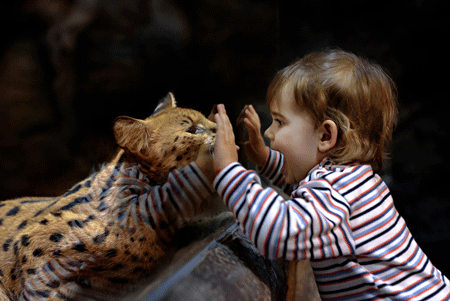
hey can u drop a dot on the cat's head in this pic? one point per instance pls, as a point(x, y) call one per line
point(170, 138)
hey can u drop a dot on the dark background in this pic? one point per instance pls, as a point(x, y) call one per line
point(68, 68)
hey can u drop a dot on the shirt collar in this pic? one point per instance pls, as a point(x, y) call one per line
point(328, 163)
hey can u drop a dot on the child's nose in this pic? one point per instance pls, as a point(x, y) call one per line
point(268, 134)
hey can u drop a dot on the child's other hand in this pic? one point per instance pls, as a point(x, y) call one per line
point(225, 149)
point(255, 148)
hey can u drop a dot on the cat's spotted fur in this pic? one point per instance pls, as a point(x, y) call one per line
point(110, 229)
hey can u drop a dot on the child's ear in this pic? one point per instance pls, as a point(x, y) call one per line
point(131, 134)
point(328, 133)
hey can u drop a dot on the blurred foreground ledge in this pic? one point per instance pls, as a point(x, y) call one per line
point(224, 265)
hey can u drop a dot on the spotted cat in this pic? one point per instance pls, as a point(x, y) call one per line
point(110, 229)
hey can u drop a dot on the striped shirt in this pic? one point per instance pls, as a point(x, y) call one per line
point(342, 219)
point(165, 206)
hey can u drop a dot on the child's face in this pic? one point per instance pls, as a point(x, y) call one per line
point(294, 134)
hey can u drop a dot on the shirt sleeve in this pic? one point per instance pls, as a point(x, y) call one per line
point(314, 224)
point(164, 206)
point(272, 171)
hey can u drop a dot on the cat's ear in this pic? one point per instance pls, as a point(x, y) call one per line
point(168, 102)
point(132, 134)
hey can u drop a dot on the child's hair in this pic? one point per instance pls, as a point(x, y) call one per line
point(351, 91)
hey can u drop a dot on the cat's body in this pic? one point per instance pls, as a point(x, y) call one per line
point(110, 229)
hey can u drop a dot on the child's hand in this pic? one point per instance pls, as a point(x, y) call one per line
point(205, 161)
point(225, 149)
point(255, 148)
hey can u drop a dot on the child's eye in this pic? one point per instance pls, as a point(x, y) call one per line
point(280, 123)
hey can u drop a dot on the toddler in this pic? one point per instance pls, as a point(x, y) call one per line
point(333, 115)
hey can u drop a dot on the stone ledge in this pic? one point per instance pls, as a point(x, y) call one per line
point(229, 267)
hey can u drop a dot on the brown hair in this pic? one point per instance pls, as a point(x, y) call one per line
point(353, 92)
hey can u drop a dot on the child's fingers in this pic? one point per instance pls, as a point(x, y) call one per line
point(252, 109)
point(221, 109)
point(223, 118)
point(225, 150)
point(221, 127)
point(220, 120)
point(222, 113)
point(254, 136)
point(253, 116)
point(251, 127)
point(242, 114)
point(224, 127)
point(253, 123)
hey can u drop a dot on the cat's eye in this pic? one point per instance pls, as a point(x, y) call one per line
point(196, 129)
